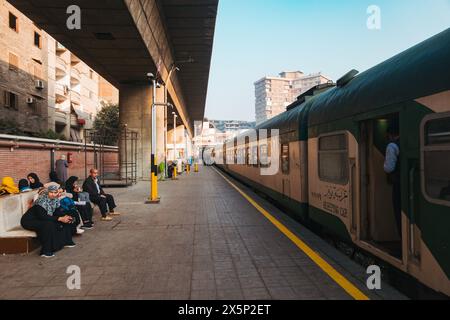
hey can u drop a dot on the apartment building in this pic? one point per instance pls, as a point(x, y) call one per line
point(75, 92)
point(23, 71)
point(44, 86)
point(274, 94)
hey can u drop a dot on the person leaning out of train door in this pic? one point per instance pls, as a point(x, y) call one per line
point(392, 168)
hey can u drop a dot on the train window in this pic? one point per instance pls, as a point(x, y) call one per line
point(241, 156)
point(333, 159)
point(247, 156)
point(264, 155)
point(285, 158)
point(255, 156)
point(436, 157)
point(238, 156)
point(230, 156)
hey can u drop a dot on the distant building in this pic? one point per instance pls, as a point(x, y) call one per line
point(212, 133)
point(274, 94)
point(43, 86)
point(233, 126)
point(207, 135)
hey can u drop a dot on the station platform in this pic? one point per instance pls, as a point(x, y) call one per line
point(209, 238)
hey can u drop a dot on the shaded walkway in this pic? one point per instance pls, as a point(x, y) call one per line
point(204, 241)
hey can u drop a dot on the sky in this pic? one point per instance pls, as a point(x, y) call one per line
point(257, 38)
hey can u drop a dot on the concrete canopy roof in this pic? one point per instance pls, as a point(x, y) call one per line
point(191, 25)
point(109, 41)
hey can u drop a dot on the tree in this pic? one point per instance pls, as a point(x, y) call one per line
point(107, 125)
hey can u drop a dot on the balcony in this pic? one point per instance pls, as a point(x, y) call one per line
point(60, 48)
point(61, 93)
point(75, 77)
point(61, 67)
point(74, 60)
point(75, 97)
point(60, 117)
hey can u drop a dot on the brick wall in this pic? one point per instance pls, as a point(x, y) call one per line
point(22, 161)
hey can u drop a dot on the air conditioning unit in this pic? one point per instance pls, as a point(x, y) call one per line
point(30, 100)
point(39, 84)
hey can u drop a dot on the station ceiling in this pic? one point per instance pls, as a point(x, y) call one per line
point(110, 42)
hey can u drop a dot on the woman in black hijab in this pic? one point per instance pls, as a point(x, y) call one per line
point(70, 186)
point(35, 183)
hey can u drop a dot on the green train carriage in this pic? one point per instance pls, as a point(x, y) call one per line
point(332, 154)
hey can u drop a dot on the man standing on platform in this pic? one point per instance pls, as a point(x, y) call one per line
point(97, 196)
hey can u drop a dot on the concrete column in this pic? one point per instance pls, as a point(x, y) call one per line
point(160, 117)
point(135, 111)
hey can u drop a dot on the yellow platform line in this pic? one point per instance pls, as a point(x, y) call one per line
point(345, 284)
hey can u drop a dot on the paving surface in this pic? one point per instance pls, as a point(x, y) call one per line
point(204, 241)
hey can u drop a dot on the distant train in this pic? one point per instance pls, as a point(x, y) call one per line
point(332, 148)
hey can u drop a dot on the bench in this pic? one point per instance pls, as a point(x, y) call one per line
point(13, 238)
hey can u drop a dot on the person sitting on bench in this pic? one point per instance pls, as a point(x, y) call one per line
point(98, 196)
point(8, 187)
point(53, 230)
point(84, 207)
point(34, 181)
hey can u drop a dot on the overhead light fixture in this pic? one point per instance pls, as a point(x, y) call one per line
point(104, 36)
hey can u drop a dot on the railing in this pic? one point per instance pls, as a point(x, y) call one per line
point(17, 141)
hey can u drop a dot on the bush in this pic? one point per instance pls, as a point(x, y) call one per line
point(51, 135)
point(8, 126)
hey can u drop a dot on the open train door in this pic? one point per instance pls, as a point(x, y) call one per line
point(381, 221)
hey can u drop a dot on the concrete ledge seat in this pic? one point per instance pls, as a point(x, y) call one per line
point(18, 233)
point(13, 238)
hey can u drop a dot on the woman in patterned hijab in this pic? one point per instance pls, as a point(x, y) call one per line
point(54, 232)
point(49, 200)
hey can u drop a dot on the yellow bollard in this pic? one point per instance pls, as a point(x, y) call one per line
point(175, 173)
point(188, 168)
point(154, 187)
point(154, 198)
point(196, 167)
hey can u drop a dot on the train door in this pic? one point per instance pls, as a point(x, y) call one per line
point(381, 218)
point(285, 169)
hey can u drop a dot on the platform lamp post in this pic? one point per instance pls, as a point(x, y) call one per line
point(153, 199)
point(166, 140)
point(175, 142)
point(167, 104)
